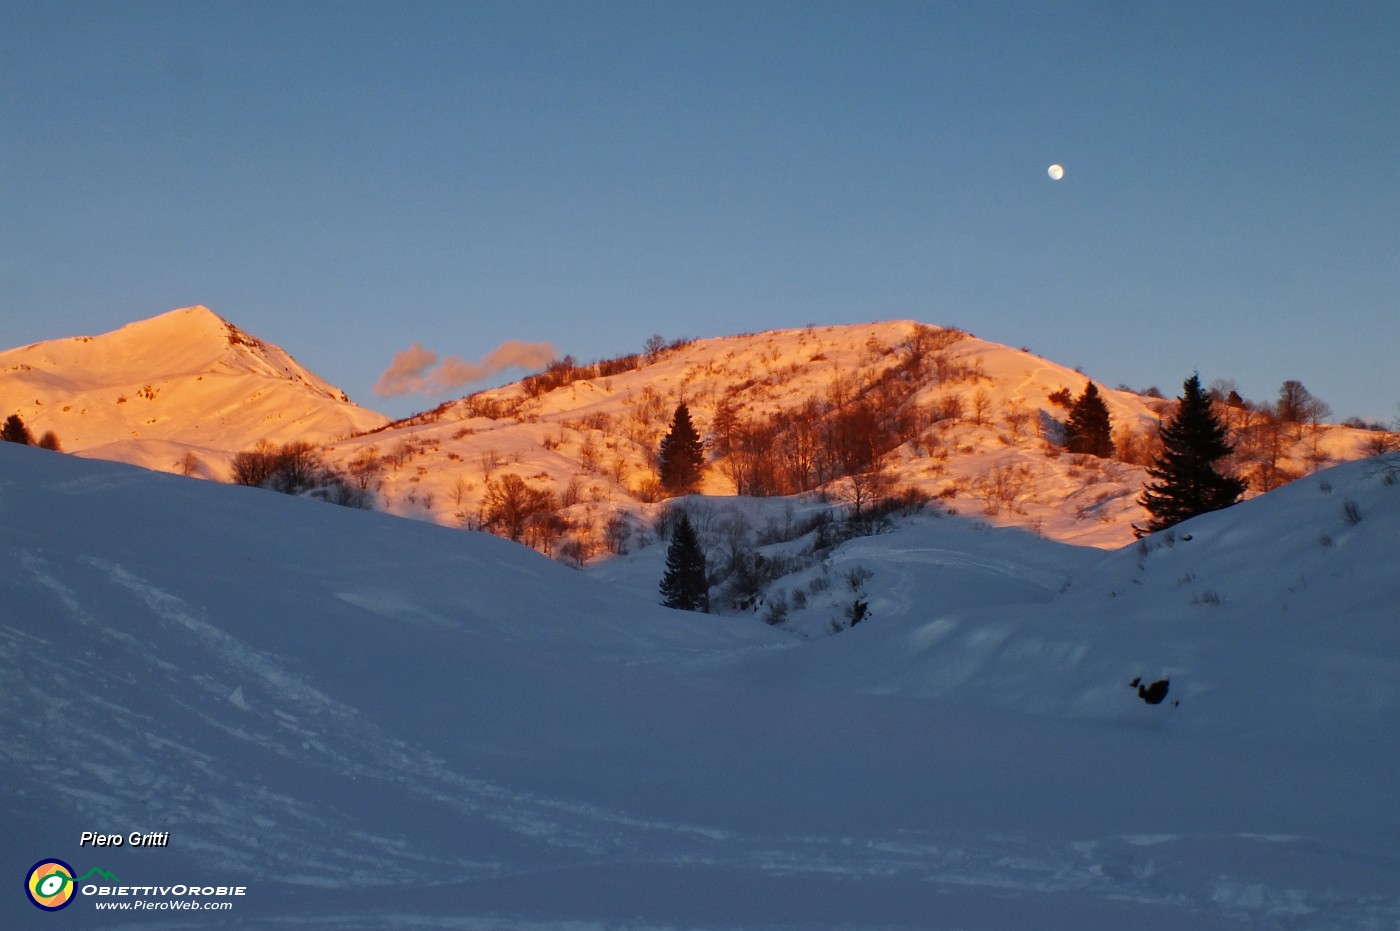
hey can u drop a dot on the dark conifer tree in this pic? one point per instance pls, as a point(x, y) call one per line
point(682, 455)
point(1088, 428)
point(15, 431)
point(684, 585)
point(1187, 480)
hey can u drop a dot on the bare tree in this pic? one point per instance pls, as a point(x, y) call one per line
point(511, 505)
point(255, 466)
point(863, 489)
point(654, 346)
point(1297, 405)
point(299, 468)
point(489, 460)
point(366, 467)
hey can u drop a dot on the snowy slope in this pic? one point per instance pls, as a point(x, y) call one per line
point(987, 441)
point(604, 431)
point(187, 381)
point(378, 723)
point(984, 437)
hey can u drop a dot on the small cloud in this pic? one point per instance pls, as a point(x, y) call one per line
point(412, 371)
point(524, 355)
point(406, 374)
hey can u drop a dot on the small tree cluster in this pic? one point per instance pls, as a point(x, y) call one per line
point(1264, 435)
point(514, 509)
point(567, 370)
point(15, 431)
point(1297, 405)
point(296, 468)
point(805, 447)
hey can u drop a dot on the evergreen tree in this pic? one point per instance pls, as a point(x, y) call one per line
point(684, 586)
point(681, 455)
point(15, 431)
point(1088, 428)
point(1187, 481)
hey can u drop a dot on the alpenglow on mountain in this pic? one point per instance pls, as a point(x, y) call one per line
point(975, 424)
point(183, 383)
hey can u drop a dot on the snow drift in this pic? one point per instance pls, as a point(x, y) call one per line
point(374, 722)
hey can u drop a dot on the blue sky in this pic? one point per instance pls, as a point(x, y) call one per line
point(344, 179)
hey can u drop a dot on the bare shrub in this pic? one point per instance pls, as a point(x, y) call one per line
point(1381, 443)
point(776, 609)
point(981, 406)
point(618, 534)
point(1003, 486)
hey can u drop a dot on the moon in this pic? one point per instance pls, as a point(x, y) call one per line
point(1056, 172)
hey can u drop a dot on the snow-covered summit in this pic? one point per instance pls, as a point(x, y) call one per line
point(186, 381)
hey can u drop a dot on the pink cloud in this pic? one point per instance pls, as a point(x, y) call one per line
point(412, 370)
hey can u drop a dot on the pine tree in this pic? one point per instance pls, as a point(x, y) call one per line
point(681, 455)
point(684, 586)
point(1188, 482)
point(1089, 428)
point(15, 431)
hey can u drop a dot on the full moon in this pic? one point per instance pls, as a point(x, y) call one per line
point(1056, 172)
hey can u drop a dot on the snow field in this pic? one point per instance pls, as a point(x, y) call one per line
point(381, 723)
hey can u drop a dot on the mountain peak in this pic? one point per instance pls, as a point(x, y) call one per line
point(187, 327)
point(184, 380)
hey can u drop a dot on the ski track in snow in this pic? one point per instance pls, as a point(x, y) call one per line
point(82, 725)
point(1137, 868)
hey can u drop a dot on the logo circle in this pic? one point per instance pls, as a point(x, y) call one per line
point(49, 885)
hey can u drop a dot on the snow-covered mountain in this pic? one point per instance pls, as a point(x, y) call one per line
point(374, 723)
point(969, 422)
point(185, 383)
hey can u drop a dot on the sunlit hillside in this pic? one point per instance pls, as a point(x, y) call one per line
point(180, 392)
point(845, 413)
point(968, 422)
